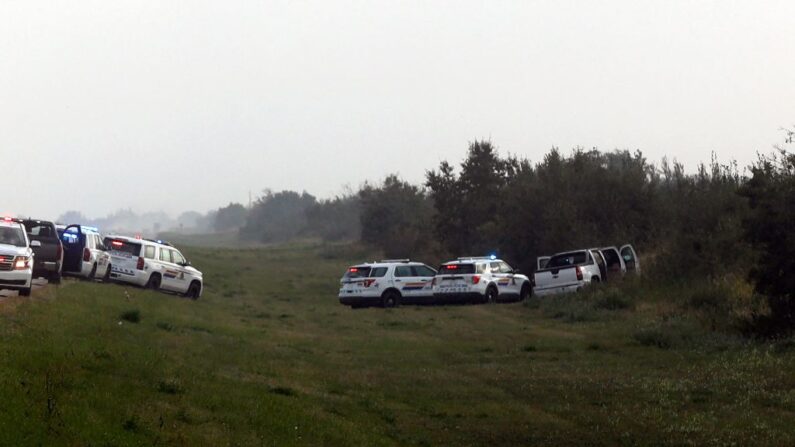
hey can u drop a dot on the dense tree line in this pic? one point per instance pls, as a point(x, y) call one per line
point(715, 221)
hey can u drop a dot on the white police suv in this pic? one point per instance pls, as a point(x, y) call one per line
point(479, 279)
point(16, 257)
point(156, 265)
point(387, 283)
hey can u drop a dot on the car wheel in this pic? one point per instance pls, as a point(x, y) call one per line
point(193, 291)
point(491, 295)
point(390, 299)
point(154, 282)
point(93, 274)
point(525, 293)
point(24, 292)
point(106, 278)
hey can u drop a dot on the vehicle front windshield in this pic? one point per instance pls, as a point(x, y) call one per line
point(12, 236)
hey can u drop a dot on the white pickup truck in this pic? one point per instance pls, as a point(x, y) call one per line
point(569, 272)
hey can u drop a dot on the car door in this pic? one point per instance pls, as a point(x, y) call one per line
point(409, 285)
point(182, 281)
point(73, 240)
point(102, 256)
point(424, 276)
point(168, 270)
point(630, 259)
point(514, 286)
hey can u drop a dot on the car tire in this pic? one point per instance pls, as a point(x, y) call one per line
point(54, 279)
point(491, 295)
point(525, 292)
point(106, 277)
point(25, 292)
point(154, 282)
point(390, 298)
point(92, 276)
point(193, 291)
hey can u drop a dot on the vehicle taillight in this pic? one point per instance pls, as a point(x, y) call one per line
point(59, 251)
point(140, 265)
point(579, 273)
point(475, 279)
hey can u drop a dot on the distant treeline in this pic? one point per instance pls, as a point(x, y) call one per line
point(716, 221)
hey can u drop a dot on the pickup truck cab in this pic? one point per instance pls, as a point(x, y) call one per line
point(387, 283)
point(156, 265)
point(16, 257)
point(85, 255)
point(49, 253)
point(479, 279)
point(569, 272)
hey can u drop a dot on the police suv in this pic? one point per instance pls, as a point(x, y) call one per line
point(479, 279)
point(387, 283)
point(84, 254)
point(156, 265)
point(16, 257)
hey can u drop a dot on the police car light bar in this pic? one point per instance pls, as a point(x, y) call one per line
point(473, 258)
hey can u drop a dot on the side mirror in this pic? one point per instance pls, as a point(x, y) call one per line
point(35, 244)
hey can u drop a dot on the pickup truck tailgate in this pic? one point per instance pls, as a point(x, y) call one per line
point(556, 278)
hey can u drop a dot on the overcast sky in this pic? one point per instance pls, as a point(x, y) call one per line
point(177, 105)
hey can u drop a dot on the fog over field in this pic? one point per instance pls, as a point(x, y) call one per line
point(175, 106)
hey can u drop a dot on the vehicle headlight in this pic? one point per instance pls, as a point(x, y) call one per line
point(22, 263)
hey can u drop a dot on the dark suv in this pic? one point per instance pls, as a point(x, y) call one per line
point(48, 257)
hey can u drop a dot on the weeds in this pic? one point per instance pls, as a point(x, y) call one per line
point(132, 316)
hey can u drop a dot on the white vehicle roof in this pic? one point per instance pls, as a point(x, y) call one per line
point(137, 240)
point(387, 263)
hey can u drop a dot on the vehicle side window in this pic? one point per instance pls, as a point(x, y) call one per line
point(378, 272)
point(402, 271)
point(495, 267)
point(165, 255)
point(423, 270)
point(505, 268)
point(149, 252)
point(177, 257)
point(481, 268)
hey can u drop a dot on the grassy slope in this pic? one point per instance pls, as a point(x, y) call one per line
point(269, 358)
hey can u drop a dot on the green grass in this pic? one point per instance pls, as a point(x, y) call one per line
point(268, 357)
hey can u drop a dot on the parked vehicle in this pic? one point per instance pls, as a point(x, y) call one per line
point(479, 279)
point(84, 255)
point(156, 265)
point(49, 255)
point(16, 257)
point(387, 283)
point(569, 272)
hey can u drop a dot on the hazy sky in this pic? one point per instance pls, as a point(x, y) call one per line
point(177, 105)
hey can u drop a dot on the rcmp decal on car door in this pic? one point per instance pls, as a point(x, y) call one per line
point(174, 274)
point(416, 285)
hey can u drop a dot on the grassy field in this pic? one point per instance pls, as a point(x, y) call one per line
point(268, 357)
